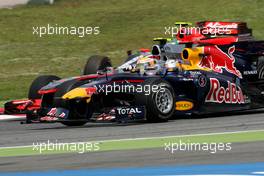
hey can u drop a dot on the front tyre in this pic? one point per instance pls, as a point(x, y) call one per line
point(33, 94)
point(38, 83)
point(260, 67)
point(160, 103)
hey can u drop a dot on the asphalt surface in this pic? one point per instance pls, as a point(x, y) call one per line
point(15, 134)
point(240, 153)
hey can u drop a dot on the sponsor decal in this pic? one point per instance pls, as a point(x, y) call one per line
point(52, 112)
point(220, 28)
point(219, 94)
point(62, 115)
point(55, 112)
point(129, 113)
point(218, 60)
point(184, 105)
point(202, 81)
point(128, 110)
point(91, 90)
point(251, 72)
point(193, 73)
point(48, 118)
point(221, 25)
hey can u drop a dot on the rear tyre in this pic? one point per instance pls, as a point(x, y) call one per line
point(95, 63)
point(160, 105)
point(38, 83)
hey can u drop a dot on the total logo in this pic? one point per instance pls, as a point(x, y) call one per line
point(219, 94)
point(128, 110)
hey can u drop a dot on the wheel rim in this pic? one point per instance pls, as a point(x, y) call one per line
point(164, 101)
point(261, 73)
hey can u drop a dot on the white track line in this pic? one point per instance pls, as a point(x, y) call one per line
point(11, 117)
point(147, 138)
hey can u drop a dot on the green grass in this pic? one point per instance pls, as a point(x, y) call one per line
point(2, 103)
point(124, 25)
point(133, 144)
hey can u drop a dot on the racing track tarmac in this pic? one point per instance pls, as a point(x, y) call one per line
point(13, 134)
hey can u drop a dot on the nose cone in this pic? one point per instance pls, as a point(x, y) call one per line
point(76, 93)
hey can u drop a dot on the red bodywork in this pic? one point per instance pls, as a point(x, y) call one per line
point(2, 110)
point(214, 33)
point(21, 106)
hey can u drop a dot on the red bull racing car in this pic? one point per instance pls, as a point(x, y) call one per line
point(220, 68)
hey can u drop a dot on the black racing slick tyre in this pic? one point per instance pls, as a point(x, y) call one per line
point(95, 63)
point(38, 83)
point(35, 86)
point(260, 67)
point(159, 103)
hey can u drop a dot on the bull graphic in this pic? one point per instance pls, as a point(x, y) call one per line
point(218, 60)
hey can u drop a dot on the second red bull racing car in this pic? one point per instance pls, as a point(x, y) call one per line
point(184, 75)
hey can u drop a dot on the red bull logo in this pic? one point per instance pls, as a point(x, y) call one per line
point(218, 60)
point(218, 94)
